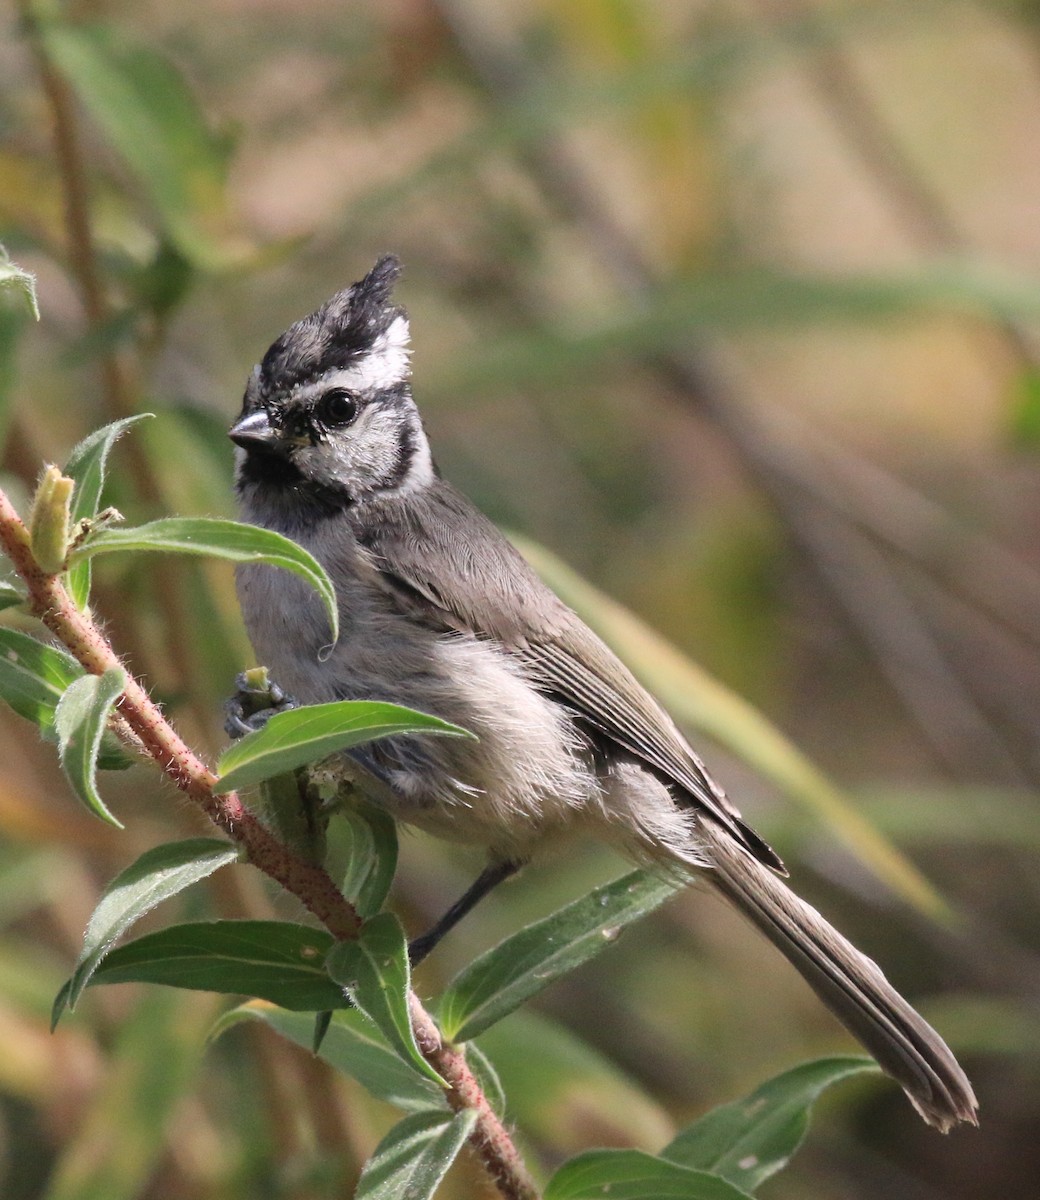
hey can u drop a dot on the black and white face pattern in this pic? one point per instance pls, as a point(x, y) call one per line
point(329, 415)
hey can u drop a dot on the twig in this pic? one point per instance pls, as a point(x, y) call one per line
point(492, 1143)
point(49, 601)
point(309, 883)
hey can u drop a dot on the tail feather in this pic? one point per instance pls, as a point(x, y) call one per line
point(853, 988)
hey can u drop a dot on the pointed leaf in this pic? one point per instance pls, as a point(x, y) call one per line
point(33, 679)
point(34, 676)
point(217, 538)
point(353, 1045)
point(299, 736)
point(80, 721)
point(322, 1022)
point(86, 465)
point(635, 1175)
point(413, 1158)
point(375, 974)
point(156, 876)
point(10, 596)
point(751, 1139)
point(15, 281)
point(88, 462)
point(273, 960)
point(371, 836)
point(521, 966)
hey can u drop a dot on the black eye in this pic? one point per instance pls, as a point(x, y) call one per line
point(337, 407)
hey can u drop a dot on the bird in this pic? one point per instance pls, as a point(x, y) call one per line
point(439, 612)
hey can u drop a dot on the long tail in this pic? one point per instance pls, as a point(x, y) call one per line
point(905, 1046)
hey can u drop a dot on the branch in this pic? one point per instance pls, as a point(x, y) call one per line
point(489, 1139)
point(51, 603)
point(309, 883)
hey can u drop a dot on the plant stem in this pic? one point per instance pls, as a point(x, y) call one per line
point(50, 602)
point(490, 1139)
point(310, 884)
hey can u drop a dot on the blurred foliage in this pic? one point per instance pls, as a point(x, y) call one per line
point(734, 307)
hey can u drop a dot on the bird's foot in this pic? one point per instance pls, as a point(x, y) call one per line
point(255, 700)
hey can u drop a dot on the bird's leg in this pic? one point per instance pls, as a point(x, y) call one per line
point(255, 700)
point(492, 875)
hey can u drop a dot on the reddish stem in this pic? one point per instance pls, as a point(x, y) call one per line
point(49, 601)
point(310, 883)
point(490, 1139)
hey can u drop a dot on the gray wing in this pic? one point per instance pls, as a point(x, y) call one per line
point(480, 584)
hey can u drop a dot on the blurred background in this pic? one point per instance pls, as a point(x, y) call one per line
point(733, 308)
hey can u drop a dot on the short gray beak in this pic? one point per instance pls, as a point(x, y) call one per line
point(254, 432)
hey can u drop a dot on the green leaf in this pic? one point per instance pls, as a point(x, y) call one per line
point(80, 721)
point(413, 1158)
point(86, 465)
point(322, 1021)
point(521, 966)
point(299, 736)
point(217, 538)
point(375, 974)
point(156, 876)
point(635, 1175)
point(751, 1139)
point(22, 284)
point(33, 679)
point(373, 857)
point(352, 1045)
point(295, 815)
point(10, 596)
point(34, 676)
point(141, 103)
point(693, 696)
point(276, 961)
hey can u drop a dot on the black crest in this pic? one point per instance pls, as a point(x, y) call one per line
point(343, 330)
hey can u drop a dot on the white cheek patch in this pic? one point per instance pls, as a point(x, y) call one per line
point(384, 366)
point(420, 471)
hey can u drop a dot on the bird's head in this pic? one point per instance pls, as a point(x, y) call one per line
point(328, 414)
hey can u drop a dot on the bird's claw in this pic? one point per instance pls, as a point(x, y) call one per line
point(255, 700)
